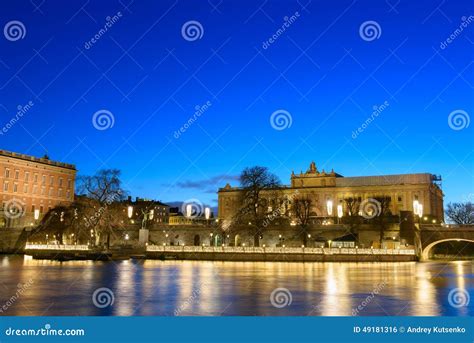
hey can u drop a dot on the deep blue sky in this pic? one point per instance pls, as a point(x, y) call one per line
point(320, 70)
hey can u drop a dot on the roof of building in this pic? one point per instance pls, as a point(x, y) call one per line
point(384, 180)
point(43, 160)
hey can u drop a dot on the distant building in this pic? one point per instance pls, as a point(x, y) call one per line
point(30, 186)
point(330, 189)
point(156, 211)
point(178, 218)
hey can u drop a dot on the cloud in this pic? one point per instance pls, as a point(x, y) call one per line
point(211, 184)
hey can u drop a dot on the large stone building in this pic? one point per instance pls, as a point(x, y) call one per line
point(328, 191)
point(30, 186)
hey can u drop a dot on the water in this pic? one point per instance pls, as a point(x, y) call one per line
point(200, 288)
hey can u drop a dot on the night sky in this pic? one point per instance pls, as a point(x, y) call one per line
point(152, 74)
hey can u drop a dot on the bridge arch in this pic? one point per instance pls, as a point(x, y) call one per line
point(425, 254)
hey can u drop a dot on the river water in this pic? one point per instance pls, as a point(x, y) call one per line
point(201, 288)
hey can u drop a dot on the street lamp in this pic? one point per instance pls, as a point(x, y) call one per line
point(339, 212)
point(130, 211)
point(329, 207)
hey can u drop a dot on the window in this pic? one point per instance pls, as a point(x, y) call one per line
point(42, 191)
point(7, 172)
point(60, 193)
point(51, 180)
point(17, 174)
point(69, 183)
point(41, 209)
point(43, 180)
point(15, 188)
point(33, 208)
point(399, 199)
point(60, 182)
point(35, 189)
point(5, 186)
point(51, 191)
point(36, 178)
point(25, 188)
point(68, 194)
point(27, 176)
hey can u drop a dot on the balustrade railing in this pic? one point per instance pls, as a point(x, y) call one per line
point(285, 250)
point(80, 247)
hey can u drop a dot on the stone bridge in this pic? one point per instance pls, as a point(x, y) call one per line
point(427, 236)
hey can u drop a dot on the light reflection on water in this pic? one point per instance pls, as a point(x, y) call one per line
point(233, 288)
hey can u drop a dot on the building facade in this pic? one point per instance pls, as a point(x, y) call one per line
point(330, 189)
point(30, 186)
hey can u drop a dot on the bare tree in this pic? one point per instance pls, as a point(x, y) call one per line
point(259, 189)
point(302, 210)
point(383, 212)
point(461, 213)
point(105, 189)
point(352, 218)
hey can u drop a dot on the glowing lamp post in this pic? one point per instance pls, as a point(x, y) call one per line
point(329, 207)
point(339, 212)
point(37, 214)
point(189, 210)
